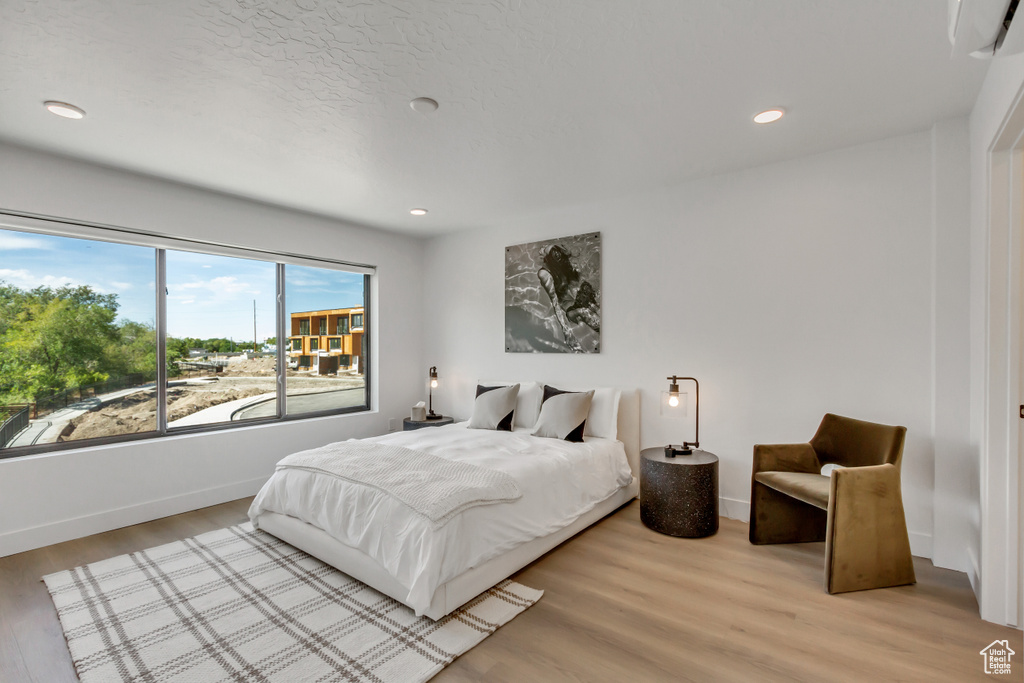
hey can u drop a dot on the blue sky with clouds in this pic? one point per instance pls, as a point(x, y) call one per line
point(207, 296)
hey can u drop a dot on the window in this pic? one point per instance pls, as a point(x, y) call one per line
point(80, 336)
point(223, 304)
point(327, 293)
point(77, 339)
point(357, 320)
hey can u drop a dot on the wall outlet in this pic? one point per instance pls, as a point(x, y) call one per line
point(391, 424)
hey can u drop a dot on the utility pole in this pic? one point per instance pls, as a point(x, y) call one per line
point(254, 327)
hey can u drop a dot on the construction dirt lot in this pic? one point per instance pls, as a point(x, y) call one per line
point(137, 412)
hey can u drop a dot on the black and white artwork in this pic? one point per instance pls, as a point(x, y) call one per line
point(553, 296)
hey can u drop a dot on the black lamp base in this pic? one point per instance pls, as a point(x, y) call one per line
point(434, 416)
point(672, 451)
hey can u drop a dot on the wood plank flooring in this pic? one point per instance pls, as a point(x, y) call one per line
point(621, 603)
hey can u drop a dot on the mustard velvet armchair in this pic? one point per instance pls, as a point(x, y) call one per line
point(857, 511)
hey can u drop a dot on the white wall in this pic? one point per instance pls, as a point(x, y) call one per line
point(49, 498)
point(788, 290)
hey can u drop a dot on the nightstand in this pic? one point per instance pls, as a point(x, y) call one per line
point(679, 496)
point(409, 424)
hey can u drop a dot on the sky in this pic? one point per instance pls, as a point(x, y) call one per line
point(207, 296)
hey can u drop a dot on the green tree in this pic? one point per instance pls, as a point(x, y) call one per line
point(52, 339)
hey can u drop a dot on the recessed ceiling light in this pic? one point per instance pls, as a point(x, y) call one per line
point(68, 111)
point(769, 116)
point(423, 105)
point(418, 212)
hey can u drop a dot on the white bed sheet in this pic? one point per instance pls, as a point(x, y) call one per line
point(559, 480)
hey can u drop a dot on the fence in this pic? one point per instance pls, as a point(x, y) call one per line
point(45, 405)
point(15, 419)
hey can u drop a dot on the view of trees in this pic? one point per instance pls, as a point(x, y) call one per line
point(57, 338)
point(52, 339)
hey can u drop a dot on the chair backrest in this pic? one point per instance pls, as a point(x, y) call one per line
point(856, 443)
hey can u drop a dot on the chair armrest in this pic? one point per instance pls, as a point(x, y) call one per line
point(871, 482)
point(785, 457)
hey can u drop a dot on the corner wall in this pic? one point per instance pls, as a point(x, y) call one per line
point(49, 498)
point(789, 290)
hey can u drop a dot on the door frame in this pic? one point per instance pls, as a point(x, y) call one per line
point(999, 570)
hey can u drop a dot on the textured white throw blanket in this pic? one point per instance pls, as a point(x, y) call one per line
point(433, 487)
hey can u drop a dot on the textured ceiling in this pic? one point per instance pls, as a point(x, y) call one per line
point(305, 103)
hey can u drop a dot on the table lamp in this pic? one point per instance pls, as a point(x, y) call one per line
point(673, 402)
point(434, 384)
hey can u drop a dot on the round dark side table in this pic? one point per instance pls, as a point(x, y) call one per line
point(679, 496)
point(409, 424)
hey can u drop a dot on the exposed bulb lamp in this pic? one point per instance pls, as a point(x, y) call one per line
point(673, 401)
point(434, 383)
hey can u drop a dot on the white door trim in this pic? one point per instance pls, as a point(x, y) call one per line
point(999, 570)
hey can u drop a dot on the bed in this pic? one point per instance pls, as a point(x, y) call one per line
point(372, 537)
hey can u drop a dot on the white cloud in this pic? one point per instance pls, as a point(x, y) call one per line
point(24, 279)
point(11, 242)
point(221, 286)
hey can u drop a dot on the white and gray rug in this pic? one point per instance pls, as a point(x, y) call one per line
point(241, 605)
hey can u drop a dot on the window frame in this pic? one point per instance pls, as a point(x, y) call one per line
point(31, 223)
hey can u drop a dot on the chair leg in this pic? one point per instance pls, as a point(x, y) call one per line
point(778, 518)
point(866, 544)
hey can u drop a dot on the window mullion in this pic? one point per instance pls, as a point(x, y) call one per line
point(283, 345)
point(161, 341)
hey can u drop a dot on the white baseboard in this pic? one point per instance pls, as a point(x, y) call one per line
point(43, 535)
point(734, 509)
point(920, 544)
point(974, 574)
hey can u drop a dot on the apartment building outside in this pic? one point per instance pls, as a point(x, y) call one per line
point(327, 341)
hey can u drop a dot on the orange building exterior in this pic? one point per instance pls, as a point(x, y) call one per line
point(333, 333)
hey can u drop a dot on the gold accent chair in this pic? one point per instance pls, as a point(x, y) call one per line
point(858, 511)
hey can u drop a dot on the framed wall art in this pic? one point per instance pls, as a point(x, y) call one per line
point(553, 295)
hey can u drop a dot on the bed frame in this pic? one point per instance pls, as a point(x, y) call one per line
point(459, 590)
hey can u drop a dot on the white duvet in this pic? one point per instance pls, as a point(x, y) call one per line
point(559, 481)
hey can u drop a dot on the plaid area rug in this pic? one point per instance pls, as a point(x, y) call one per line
point(241, 605)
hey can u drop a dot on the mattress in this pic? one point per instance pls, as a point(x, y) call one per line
point(559, 481)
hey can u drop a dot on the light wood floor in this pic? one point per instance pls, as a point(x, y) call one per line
point(621, 603)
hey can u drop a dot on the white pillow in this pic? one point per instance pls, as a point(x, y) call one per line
point(563, 414)
point(527, 402)
point(603, 420)
point(494, 407)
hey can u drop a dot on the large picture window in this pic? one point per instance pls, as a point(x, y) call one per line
point(104, 340)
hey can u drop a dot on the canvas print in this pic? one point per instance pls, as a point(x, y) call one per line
point(553, 296)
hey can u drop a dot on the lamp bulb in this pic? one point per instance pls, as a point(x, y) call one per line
point(673, 400)
point(433, 384)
